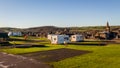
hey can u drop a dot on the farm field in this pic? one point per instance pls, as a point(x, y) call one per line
point(107, 56)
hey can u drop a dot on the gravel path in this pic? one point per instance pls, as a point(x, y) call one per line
point(16, 61)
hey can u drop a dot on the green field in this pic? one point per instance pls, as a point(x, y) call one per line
point(101, 57)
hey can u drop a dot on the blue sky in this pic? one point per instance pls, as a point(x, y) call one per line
point(61, 13)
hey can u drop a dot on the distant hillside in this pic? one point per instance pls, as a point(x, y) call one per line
point(53, 29)
point(46, 29)
point(7, 29)
point(89, 28)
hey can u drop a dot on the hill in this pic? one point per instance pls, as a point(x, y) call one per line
point(7, 29)
point(53, 29)
point(44, 29)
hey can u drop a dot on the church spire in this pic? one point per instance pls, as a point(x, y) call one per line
point(107, 27)
point(108, 24)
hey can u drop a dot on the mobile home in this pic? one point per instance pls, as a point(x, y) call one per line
point(49, 36)
point(59, 39)
point(15, 34)
point(77, 38)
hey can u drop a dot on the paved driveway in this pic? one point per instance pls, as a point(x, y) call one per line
point(16, 61)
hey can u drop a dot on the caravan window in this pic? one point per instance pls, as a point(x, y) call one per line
point(66, 38)
point(73, 36)
point(78, 37)
point(54, 38)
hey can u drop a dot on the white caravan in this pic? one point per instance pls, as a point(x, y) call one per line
point(59, 39)
point(14, 34)
point(77, 38)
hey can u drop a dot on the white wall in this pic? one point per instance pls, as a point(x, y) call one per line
point(77, 38)
point(14, 34)
point(60, 39)
point(49, 36)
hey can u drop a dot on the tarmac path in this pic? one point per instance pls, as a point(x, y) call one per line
point(16, 61)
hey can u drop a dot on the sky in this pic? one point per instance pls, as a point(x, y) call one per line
point(61, 13)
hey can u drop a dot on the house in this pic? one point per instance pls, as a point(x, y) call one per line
point(59, 39)
point(106, 34)
point(15, 34)
point(3, 37)
point(77, 38)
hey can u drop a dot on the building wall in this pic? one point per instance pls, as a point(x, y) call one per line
point(49, 36)
point(59, 39)
point(14, 34)
point(77, 38)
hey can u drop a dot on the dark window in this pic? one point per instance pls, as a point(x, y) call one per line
point(73, 36)
point(66, 38)
point(54, 38)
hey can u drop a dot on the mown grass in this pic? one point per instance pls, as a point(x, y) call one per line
point(29, 50)
point(101, 57)
point(29, 39)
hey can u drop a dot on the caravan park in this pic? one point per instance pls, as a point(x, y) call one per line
point(59, 33)
point(58, 51)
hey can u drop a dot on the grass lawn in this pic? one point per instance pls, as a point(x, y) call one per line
point(29, 50)
point(30, 40)
point(101, 56)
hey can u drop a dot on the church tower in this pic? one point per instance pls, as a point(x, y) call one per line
point(107, 27)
